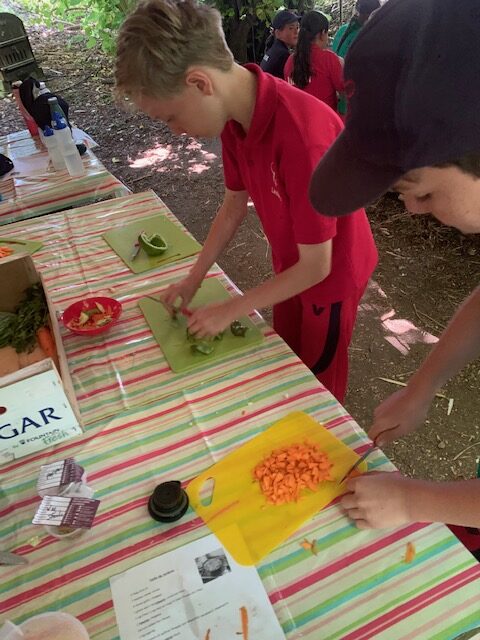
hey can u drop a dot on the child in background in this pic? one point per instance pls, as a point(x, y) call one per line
point(283, 38)
point(347, 33)
point(173, 62)
point(313, 67)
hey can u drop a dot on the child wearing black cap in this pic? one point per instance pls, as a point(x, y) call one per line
point(414, 126)
point(285, 28)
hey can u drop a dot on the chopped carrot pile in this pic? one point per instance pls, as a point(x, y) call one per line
point(410, 553)
point(287, 471)
point(5, 252)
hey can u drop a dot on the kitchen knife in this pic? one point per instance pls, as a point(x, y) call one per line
point(358, 462)
point(11, 559)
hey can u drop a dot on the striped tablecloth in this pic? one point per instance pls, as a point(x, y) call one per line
point(143, 425)
point(33, 188)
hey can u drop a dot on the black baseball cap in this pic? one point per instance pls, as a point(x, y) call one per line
point(283, 18)
point(366, 7)
point(412, 78)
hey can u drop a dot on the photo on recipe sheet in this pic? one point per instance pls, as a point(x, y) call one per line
point(212, 565)
point(195, 592)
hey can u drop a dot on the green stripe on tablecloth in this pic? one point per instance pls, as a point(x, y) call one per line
point(470, 623)
point(373, 582)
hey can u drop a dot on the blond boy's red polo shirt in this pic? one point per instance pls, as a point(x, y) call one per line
point(289, 133)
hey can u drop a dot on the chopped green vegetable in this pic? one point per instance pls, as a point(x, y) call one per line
point(238, 328)
point(203, 347)
point(153, 245)
point(19, 329)
point(7, 323)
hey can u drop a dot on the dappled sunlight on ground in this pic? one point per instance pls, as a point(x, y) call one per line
point(163, 158)
point(400, 333)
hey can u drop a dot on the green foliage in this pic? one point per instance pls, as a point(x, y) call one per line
point(99, 19)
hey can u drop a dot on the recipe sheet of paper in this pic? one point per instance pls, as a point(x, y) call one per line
point(192, 593)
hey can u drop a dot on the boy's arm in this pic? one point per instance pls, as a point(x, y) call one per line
point(459, 344)
point(313, 266)
point(384, 500)
point(229, 217)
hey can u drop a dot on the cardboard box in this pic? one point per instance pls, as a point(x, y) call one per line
point(17, 273)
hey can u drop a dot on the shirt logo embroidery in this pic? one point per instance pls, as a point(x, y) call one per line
point(275, 183)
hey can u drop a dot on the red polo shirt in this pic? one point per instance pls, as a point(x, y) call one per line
point(326, 75)
point(289, 133)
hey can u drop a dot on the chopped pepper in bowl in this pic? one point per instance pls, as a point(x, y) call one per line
point(91, 316)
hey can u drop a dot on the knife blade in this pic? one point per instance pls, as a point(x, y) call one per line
point(135, 250)
point(172, 311)
point(136, 247)
point(11, 559)
point(7, 241)
point(363, 457)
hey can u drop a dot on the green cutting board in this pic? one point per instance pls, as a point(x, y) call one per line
point(123, 239)
point(21, 246)
point(171, 334)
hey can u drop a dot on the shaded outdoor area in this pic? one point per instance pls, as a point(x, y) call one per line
point(424, 273)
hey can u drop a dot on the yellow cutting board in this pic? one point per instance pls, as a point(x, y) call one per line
point(237, 500)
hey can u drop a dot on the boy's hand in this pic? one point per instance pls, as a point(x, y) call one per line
point(398, 415)
point(185, 290)
point(212, 319)
point(379, 500)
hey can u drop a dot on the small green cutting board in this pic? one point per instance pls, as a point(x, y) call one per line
point(18, 245)
point(123, 239)
point(171, 334)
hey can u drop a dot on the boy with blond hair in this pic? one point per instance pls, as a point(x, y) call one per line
point(174, 64)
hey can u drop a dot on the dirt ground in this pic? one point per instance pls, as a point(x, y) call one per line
point(424, 272)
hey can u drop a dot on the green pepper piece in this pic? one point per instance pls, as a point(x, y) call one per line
point(238, 328)
point(202, 347)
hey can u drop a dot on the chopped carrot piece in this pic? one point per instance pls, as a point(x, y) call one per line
point(5, 252)
point(310, 546)
point(207, 635)
point(289, 470)
point(244, 619)
point(410, 552)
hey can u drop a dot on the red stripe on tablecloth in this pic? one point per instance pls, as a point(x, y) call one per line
point(78, 370)
point(344, 562)
point(179, 444)
point(18, 505)
point(99, 519)
point(102, 563)
point(155, 372)
point(42, 203)
point(373, 628)
point(111, 343)
point(67, 300)
point(91, 613)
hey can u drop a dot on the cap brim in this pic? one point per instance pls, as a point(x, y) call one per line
point(342, 183)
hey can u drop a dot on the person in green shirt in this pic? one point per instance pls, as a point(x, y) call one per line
point(347, 34)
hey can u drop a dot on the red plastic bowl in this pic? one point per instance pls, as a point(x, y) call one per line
point(74, 310)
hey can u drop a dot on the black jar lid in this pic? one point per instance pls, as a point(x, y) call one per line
point(168, 502)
